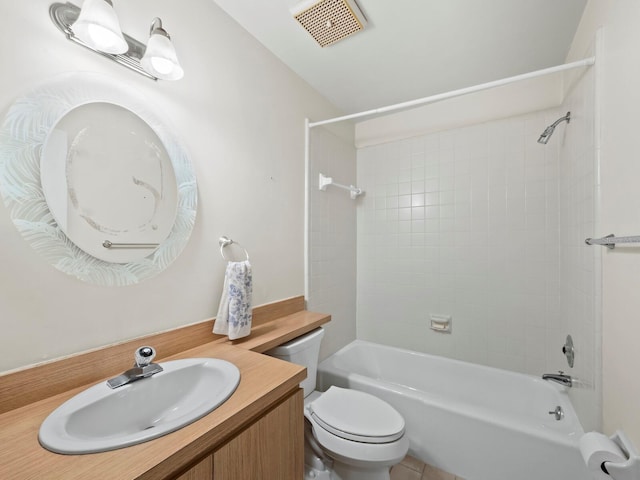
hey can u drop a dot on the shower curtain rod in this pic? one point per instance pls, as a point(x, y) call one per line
point(308, 125)
point(462, 91)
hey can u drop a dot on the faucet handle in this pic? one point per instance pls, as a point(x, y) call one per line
point(144, 356)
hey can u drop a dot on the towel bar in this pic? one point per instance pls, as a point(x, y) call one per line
point(225, 242)
point(109, 244)
point(611, 240)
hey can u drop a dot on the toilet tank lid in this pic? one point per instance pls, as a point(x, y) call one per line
point(357, 415)
point(297, 344)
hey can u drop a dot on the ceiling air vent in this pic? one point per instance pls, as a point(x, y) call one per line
point(329, 21)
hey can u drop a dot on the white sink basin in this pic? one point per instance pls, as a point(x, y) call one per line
point(100, 418)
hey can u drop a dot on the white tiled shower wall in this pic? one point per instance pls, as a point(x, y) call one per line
point(486, 225)
point(332, 242)
point(464, 223)
point(481, 223)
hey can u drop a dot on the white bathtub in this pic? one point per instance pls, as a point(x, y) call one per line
point(477, 422)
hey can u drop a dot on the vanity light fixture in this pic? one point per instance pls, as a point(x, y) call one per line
point(96, 27)
point(160, 58)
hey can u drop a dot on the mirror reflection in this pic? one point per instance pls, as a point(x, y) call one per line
point(107, 177)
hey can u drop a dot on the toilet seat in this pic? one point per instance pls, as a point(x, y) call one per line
point(356, 416)
point(360, 454)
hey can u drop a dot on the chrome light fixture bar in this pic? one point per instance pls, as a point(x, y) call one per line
point(64, 15)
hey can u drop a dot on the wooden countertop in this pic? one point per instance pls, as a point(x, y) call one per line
point(264, 381)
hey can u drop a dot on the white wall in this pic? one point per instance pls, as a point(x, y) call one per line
point(332, 224)
point(620, 202)
point(240, 113)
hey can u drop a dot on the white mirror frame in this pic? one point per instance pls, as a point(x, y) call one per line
point(22, 136)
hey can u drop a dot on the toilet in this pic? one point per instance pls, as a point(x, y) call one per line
point(349, 434)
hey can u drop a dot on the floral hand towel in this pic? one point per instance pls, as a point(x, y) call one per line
point(234, 313)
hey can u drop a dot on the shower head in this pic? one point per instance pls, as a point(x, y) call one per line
point(546, 135)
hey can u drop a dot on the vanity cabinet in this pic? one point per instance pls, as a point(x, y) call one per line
point(258, 434)
point(271, 447)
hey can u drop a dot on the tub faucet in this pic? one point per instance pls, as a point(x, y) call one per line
point(559, 377)
point(142, 368)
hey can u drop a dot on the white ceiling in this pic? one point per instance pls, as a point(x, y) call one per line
point(416, 48)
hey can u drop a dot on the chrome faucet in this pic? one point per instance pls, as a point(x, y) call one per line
point(142, 368)
point(559, 377)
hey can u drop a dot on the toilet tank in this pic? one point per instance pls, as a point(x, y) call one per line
point(303, 350)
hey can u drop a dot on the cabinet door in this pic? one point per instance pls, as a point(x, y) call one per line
point(271, 448)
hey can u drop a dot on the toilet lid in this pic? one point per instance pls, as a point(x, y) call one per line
point(357, 416)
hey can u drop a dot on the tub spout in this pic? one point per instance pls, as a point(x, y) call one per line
point(559, 377)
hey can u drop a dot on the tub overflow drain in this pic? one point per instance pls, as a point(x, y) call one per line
point(558, 413)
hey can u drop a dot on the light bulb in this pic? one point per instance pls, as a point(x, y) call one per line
point(104, 38)
point(162, 65)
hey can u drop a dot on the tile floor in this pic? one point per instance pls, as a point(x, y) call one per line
point(413, 469)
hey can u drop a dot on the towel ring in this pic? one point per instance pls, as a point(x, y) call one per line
point(225, 242)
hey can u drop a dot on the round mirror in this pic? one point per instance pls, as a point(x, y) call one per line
point(109, 182)
point(95, 181)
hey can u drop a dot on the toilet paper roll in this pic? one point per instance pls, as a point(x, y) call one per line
point(596, 449)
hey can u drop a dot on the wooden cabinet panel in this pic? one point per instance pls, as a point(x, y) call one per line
point(202, 471)
point(271, 448)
